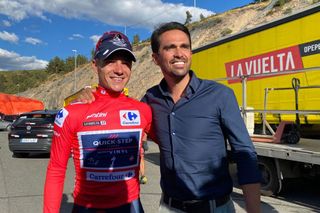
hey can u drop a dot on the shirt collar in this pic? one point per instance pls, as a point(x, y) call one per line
point(191, 88)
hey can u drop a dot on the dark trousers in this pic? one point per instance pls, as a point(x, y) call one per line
point(133, 207)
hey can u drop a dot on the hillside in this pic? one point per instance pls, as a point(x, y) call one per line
point(145, 74)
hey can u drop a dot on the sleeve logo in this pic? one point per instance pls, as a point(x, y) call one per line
point(129, 118)
point(60, 117)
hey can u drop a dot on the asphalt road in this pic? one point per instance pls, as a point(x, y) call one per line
point(22, 180)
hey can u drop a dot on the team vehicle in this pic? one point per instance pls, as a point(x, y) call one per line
point(32, 133)
point(274, 71)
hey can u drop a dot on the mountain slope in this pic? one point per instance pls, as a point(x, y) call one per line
point(145, 73)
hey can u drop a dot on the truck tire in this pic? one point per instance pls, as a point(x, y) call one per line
point(293, 137)
point(270, 184)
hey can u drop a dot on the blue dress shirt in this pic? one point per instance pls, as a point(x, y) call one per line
point(192, 135)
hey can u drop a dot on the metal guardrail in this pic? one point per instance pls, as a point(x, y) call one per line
point(295, 86)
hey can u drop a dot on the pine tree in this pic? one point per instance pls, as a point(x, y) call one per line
point(189, 17)
point(136, 39)
point(56, 65)
point(201, 17)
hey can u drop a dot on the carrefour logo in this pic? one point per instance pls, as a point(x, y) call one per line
point(129, 117)
point(60, 117)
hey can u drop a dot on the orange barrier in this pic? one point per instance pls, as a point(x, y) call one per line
point(15, 105)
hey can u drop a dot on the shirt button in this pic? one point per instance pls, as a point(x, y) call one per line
point(172, 113)
point(173, 133)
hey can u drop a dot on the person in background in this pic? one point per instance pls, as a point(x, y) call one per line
point(104, 138)
point(193, 120)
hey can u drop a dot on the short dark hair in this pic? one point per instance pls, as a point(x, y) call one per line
point(155, 43)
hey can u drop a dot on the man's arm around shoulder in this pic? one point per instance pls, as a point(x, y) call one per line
point(84, 95)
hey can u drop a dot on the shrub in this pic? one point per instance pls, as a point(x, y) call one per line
point(226, 31)
point(287, 11)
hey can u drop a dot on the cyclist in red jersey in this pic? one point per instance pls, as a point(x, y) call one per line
point(104, 138)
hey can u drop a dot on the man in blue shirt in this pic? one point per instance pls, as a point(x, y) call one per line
point(193, 119)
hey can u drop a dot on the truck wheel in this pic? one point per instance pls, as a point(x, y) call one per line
point(293, 137)
point(270, 180)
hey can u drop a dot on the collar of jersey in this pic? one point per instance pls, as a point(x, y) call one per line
point(102, 92)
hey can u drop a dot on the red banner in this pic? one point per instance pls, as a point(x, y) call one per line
point(273, 63)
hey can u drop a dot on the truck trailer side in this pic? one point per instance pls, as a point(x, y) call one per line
point(270, 56)
point(280, 63)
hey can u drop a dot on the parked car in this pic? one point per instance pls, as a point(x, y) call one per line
point(10, 118)
point(6, 121)
point(32, 133)
point(5, 125)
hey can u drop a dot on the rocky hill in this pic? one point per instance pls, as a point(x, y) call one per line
point(145, 74)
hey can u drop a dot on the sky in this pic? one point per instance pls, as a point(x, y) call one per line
point(34, 32)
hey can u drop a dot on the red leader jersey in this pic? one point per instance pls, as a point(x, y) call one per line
point(105, 140)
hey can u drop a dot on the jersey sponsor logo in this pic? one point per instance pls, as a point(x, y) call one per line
point(109, 149)
point(110, 176)
point(129, 117)
point(94, 123)
point(55, 133)
point(112, 141)
point(60, 117)
point(98, 115)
